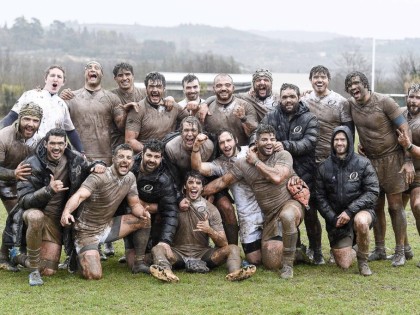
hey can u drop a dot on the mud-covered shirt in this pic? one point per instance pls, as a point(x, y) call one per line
point(377, 133)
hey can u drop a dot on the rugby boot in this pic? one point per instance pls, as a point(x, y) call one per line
point(242, 274)
point(35, 278)
point(378, 253)
point(318, 258)
point(109, 249)
point(140, 266)
point(408, 253)
point(289, 249)
point(163, 274)
point(65, 264)
point(6, 265)
point(286, 272)
point(362, 262)
point(399, 257)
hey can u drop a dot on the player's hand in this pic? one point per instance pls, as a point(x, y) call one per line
point(66, 219)
point(278, 146)
point(409, 171)
point(98, 169)
point(57, 185)
point(203, 112)
point(22, 170)
point(67, 94)
point(184, 205)
point(169, 103)
point(203, 226)
point(403, 139)
point(199, 140)
point(251, 156)
point(342, 219)
point(239, 111)
point(132, 105)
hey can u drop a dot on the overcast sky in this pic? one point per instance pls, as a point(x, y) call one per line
point(361, 18)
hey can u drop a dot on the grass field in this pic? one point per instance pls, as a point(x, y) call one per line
point(314, 290)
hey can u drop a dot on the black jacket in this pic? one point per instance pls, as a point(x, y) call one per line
point(349, 185)
point(33, 193)
point(158, 187)
point(299, 137)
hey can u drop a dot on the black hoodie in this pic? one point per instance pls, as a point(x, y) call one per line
point(348, 184)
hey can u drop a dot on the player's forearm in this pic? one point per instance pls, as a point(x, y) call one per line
point(218, 238)
point(274, 175)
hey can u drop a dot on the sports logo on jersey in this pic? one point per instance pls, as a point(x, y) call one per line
point(147, 188)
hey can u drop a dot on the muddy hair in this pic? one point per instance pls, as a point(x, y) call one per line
point(189, 78)
point(123, 146)
point(195, 174)
point(319, 69)
point(414, 88)
point(353, 74)
point(154, 76)
point(286, 86)
point(262, 128)
point(47, 71)
point(122, 66)
point(154, 145)
point(193, 121)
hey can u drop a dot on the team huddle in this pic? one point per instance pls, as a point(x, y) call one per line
point(184, 182)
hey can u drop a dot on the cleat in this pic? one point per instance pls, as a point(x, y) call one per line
point(408, 252)
point(377, 254)
point(399, 259)
point(163, 274)
point(196, 265)
point(6, 265)
point(286, 272)
point(245, 263)
point(35, 278)
point(65, 264)
point(242, 274)
point(364, 269)
point(318, 259)
point(109, 249)
point(140, 266)
point(301, 255)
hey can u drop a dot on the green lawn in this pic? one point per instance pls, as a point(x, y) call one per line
point(313, 290)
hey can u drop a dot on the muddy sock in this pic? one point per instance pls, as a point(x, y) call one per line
point(140, 240)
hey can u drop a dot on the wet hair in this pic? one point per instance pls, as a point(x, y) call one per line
point(229, 131)
point(353, 74)
point(414, 88)
point(319, 69)
point(222, 75)
point(154, 76)
point(47, 71)
point(122, 66)
point(123, 146)
point(154, 145)
point(286, 86)
point(194, 174)
point(262, 128)
point(189, 78)
point(56, 132)
point(193, 121)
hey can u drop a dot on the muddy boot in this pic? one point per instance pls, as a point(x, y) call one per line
point(35, 278)
point(101, 253)
point(399, 257)
point(318, 258)
point(289, 249)
point(242, 274)
point(408, 252)
point(378, 253)
point(140, 266)
point(362, 262)
point(164, 274)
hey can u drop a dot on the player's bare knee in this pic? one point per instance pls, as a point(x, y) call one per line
point(35, 219)
point(91, 265)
